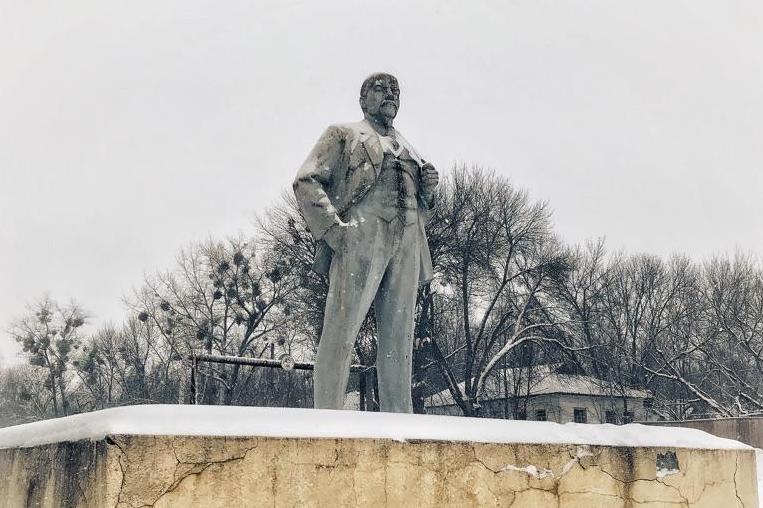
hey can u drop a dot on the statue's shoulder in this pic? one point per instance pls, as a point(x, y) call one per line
point(350, 128)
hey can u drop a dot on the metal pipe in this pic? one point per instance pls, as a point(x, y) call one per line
point(261, 362)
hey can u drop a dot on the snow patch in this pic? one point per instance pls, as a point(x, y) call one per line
point(581, 452)
point(530, 470)
point(663, 472)
point(190, 420)
point(540, 473)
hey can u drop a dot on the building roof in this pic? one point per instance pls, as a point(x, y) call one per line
point(544, 380)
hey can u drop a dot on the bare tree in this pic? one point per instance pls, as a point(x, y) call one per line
point(23, 396)
point(496, 263)
point(712, 357)
point(583, 293)
point(223, 297)
point(127, 365)
point(283, 231)
point(49, 334)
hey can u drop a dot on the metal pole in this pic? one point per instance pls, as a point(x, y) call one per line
point(362, 391)
point(194, 366)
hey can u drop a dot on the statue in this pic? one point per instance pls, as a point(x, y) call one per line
point(365, 194)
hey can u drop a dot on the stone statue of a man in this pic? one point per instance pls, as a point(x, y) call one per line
point(365, 193)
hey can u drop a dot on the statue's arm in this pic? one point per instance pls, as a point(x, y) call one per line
point(427, 193)
point(315, 177)
point(429, 199)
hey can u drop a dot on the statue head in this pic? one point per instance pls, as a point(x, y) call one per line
point(380, 97)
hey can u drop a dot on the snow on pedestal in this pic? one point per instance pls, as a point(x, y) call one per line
point(189, 420)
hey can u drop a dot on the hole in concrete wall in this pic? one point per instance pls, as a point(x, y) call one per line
point(667, 463)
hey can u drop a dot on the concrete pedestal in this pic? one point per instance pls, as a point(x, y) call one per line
point(122, 470)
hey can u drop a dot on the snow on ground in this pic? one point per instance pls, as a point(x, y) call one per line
point(759, 466)
point(188, 420)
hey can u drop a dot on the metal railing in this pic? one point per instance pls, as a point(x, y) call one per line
point(285, 362)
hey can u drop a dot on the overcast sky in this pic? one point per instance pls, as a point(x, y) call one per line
point(129, 129)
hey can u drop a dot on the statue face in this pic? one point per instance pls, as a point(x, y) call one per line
point(382, 99)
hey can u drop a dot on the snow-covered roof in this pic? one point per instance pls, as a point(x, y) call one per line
point(543, 381)
point(189, 420)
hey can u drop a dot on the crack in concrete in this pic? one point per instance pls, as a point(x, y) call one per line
point(193, 472)
point(110, 440)
point(684, 499)
point(176, 480)
point(583, 492)
point(197, 468)
point(582, 452)
point(542, 473)
point(736, 486)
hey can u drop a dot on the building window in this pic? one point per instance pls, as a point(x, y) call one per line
point(581, 415)
point(540, 415)
point(648, 403)
point(627, 416)
point(609, 417)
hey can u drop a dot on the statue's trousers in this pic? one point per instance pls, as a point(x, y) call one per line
point(377, 261)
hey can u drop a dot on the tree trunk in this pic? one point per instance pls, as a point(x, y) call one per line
point(53, 393)
point(442, 364)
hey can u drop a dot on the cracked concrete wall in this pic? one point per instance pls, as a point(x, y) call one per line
point(162, 471)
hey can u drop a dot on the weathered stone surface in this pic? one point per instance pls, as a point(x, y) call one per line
point(167, 471)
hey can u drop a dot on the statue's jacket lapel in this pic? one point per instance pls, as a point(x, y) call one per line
point(373, 149)
point(364, 159)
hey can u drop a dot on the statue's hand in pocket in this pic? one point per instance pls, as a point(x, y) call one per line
point(334, 237)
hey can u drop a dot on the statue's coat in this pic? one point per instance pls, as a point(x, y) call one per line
point(340, 170)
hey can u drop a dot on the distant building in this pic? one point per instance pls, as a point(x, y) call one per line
point(551, 396)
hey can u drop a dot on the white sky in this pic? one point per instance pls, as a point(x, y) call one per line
point(129, 129)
